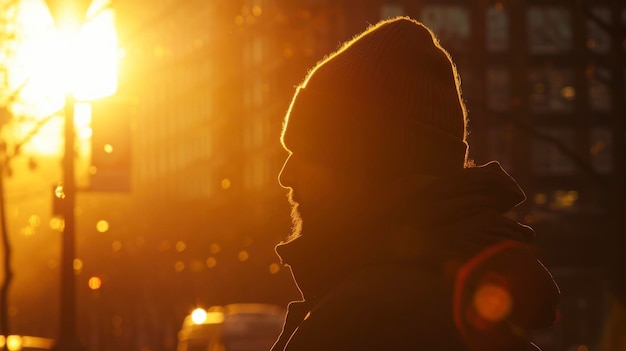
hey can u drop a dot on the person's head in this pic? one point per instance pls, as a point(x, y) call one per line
point(385, 106)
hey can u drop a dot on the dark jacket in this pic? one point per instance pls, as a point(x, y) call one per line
point(436, 267)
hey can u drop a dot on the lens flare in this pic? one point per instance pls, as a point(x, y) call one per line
point(493, 302)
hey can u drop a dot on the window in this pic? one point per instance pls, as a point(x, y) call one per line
point(257, 51)
point(498, 98)
point(391, 10)
point(255, 132)
point(546, 158)
point(252, 52)
point(451, 24)
point(257, 173)
point(551, 90)
point(497, 29)
point(205, 144)
point(549, 30)
point(248, 136)
point(600, 149)
point(500, 145)
point(598, 40)
point(258, 135)
point(258, 91)
point(599, 92)
point(246, 52)
point(247, 96)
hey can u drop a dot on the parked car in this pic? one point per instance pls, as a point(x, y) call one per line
point(26, 343)
point(234, 327)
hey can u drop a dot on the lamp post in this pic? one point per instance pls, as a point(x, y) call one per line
point(68, 12)
point(67, 338)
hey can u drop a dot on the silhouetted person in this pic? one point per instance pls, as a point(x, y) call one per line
point(399, 243)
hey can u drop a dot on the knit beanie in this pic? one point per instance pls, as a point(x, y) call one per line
point(387, 103)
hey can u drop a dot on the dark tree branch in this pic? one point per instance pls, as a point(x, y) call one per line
point(616, 30)
point(18, 147)
point(527, 128)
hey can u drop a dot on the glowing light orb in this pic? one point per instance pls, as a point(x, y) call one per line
point(48, 63)
point(102, 226)
point(94, 283)
point(198, 316)
point(493, 302)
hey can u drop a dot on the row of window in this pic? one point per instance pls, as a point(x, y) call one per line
point(550, 89)
point(549, 28)
point(546, 156)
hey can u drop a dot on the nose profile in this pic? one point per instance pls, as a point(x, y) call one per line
point(284, 177)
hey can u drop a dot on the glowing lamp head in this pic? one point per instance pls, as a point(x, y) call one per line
point(85, 47)
point(68, 13)
point(198, 316)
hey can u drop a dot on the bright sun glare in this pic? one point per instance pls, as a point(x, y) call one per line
point(53, 62)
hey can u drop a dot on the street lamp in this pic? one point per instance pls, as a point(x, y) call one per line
point(68, 15)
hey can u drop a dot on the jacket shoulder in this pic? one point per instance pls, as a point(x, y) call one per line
point(391, 306)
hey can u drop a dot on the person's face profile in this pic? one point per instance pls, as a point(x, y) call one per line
point(310, 185)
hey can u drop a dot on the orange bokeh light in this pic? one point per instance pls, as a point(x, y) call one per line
point(493, 302)
point(94, 283)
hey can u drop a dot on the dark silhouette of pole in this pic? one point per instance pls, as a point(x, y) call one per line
point(65, 13)
point(68, 339)
point(8, 272)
